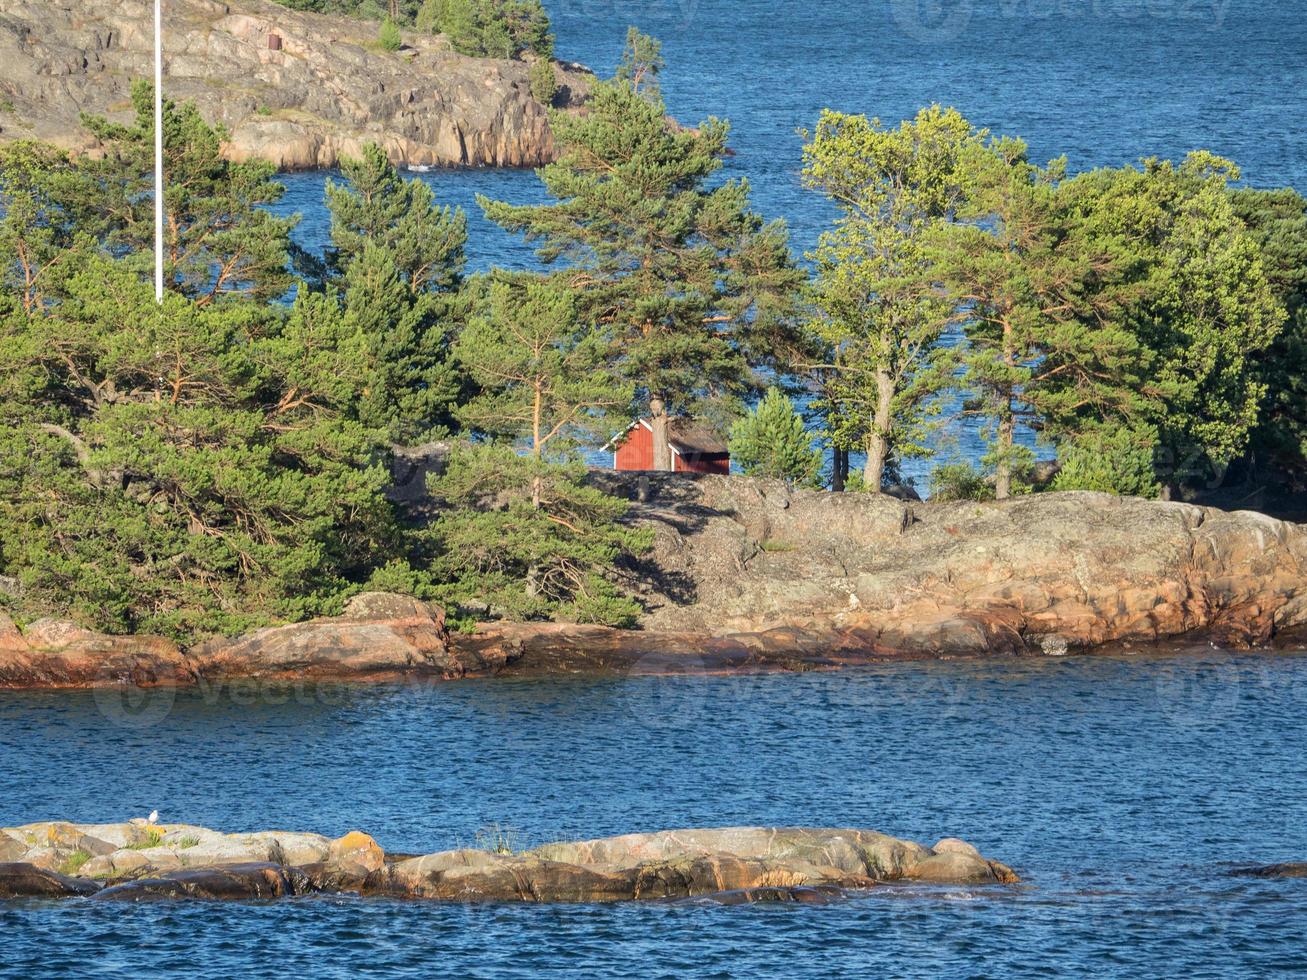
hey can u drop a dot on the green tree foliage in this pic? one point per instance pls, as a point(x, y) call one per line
point(1046, 344)
point(879, 315)
point(44, 209)
point(189, 470)
point(772, 441)
point(959, 481)
point(544, 377)
point(690, 282)
point(641, 64)
point(1277, 222)
point(389, 36)
point(220, 241)
point(544, 85)
point(524, 534)
point(527, 539)
point(397, 261)
point(400, 11)
point(1112, 460)
point(490, 28)
point(1197, 300)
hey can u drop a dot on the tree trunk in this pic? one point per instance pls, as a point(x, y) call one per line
point(1003, 471)
point(838, 462)
point(878, 440)
point(1006, 423)
point(662, 449)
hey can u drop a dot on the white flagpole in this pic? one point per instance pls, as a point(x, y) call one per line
point(158, 151)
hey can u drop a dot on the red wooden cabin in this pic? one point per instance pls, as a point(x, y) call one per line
point(695, 447)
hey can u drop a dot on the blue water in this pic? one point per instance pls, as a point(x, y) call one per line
point(1122, 789)
point(1105, 82)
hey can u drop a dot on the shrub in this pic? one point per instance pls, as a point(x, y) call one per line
point(529, 539)
point(959, 481)
point(389, 36)
point(544, 86)
point(772, 441)
point(1116, 460)
point(489, 28)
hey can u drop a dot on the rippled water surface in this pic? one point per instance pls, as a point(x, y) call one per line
point(1122, 789)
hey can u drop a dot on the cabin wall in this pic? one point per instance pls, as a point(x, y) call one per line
point(636, 450)
point(703, 463)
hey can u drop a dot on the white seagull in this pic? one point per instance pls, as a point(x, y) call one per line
point(153, 817)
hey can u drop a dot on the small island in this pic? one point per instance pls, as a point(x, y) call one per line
point(141, 860)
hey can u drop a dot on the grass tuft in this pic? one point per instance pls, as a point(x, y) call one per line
point(74, 862)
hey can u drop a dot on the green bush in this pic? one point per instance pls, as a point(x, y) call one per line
point(389, 36)
point(489, 28)
point(528, 539)
point(772, 441)
point(1117, 460)
point(959, 481)
point(544, 86)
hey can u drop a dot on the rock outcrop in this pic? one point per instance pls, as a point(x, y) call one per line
point(379, 637)
point(139, 861)
point(685, 864)
point(748, 575)
point(300, 90)
point(1047, 573)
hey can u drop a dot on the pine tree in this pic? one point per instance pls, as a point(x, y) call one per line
point(220, 240)
point(525, 538)
point(691, 283)
point(1196, 297)
point(398, 258)
point(188, 470)
point(773, 442)
point(878, 311)
point(543, 376)
point(524, 533)
point(1277, 221)
point(376, 206)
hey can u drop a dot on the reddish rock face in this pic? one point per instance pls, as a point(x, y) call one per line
point(55, 654)
point(749, 576)
point(378, 637)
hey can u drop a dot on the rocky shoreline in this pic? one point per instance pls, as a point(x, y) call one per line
point(138, 861)
point(751, 576)
point(300, 90)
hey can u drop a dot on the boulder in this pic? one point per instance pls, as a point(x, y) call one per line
point(53, 653)
point(19, 880)
point(230, 883)
point(379, 636)
point(316, 95)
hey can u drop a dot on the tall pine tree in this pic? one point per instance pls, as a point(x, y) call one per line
point(691, 283)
